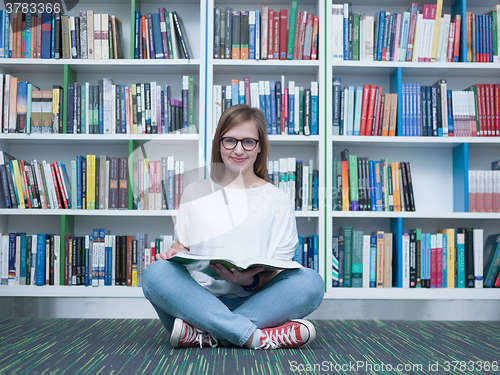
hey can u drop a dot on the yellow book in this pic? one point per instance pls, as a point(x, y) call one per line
point(450, 256)
point(437, 24)
point(19, 183)
point(395, 186)
point(89, 181)
point(380, 260)
point(387, 260)
point(55, 110)
point(134, 275)
point(92, 183)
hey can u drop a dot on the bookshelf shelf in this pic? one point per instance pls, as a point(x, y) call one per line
point(413, 294)
point(416, 215)
point(294, 139)
point(345, 140)
point(107, 213)
point(71, 291)
point(252, 67)
point(184, 139)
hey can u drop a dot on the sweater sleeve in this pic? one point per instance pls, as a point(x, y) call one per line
point(285, 231)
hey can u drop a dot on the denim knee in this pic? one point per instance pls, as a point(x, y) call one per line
point(158, 271)
point(310, 282)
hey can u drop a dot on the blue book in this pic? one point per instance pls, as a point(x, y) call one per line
point(52, 37)
point(461, 260)
point(375, 38)
point(46, 22)
point(108, 263)
point(357, 109)
point(86, 261)
point(79, 182)
point(381, 29)
point(157, 36)
point(335, 261)
point(137, 33)
point(2, 33)
point(258, 52)
point(371, 165)
point(251, 36)
point(84, 104)
point(166, 102)
point(418, 116)
point(149, 27)
point(234, 92)
point(27, 40)
point(40, 259)
point(298, 256)
point(315, 190)
point(66, 182)
point(291, 109)
point(490, 39)
point(310, 252)
point(22, 262)
point(404, 108)
point(336, 106)
point(413, 109)
point(170, 183)
point(450, 112)
point(316, 252)
point(314, 107)
point(378, 186)
point(123, 109)
point(268, 114)
point(373, 260)
point(305, 250)
point(272, 86)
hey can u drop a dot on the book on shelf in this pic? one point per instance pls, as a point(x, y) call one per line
point(388, 36)
point(285, 114)
point(360, 184)
point(298, 179)
point(201, 263)
point(104, 108)
point(267, 28)
point(307, 252)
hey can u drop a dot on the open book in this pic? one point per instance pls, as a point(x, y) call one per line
point(202, 263)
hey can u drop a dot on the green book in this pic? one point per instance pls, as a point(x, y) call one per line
point(201, 263)
point(291, 31)
point(357, 259)
point(355, 41)
point(347, 232)
point(353, 182)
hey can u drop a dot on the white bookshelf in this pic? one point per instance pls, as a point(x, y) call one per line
point(431, 158)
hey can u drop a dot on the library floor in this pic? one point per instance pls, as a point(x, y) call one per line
point(135, 346)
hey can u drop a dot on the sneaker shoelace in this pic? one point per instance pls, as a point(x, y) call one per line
point(195, 335)
point(277, 338)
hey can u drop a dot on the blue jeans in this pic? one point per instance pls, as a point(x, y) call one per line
point(292, 294)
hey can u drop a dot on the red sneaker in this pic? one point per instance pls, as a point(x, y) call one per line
point(294, 334)
point(185, 335)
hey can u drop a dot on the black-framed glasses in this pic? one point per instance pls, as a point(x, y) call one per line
point(248, 144)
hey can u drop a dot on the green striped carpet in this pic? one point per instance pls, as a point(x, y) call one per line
point(105, 346)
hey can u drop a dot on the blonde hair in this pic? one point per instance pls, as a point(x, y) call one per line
point(233, 116)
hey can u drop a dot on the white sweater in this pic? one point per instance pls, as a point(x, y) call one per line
point(258, 222)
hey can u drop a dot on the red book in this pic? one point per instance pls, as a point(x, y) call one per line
point(314, 42)
point(451, 43)
point(296, 38)
point(61, 187)
point(496, 90)
point(479, 109)
point(270, 34)
point(439, 261)
point(302, 31)
point(378, 117)
point(56, 185)
point(283, 33)
point(497, 282)
point(434, 261)
point(247, 91)
point(371, 108)
point(456, 48)
point(487, 97)
point(276, 35)
point(153, 252)
point(364, 109)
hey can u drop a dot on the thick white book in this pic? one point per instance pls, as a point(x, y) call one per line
point(5, 259)
point(217, 109)
point(478, 258)
point(97, 36)
point(201, 263)
point(102, 258)
point(291, 178)
point(366, 261)
point(369, 32)
point(254, 94)
point(305, 187)
point(90, 34)
point(105, 36)
point(94, 247)
point(157, 193)
point(418, 39)
point(109, 126)
point(6, 95)
point(472, 191)
point(154, 124)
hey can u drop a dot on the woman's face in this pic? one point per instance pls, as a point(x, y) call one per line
point(238, 160)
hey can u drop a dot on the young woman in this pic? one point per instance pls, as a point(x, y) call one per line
point(245, 216)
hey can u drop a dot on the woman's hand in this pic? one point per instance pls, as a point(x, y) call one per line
point(176, 248)
point(234, 276)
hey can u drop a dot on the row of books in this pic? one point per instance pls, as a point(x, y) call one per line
point(388, 36)
point(360, 184)
point(450, 258)
point(484, 189)
point(97, 259)
point(436, 111)
point(307, 252)
point(482, 40)
point(105, 108)
point(298, 179)
point(263, 34)
point(160, 35)
point(93, 183)
point(363, 110)
point(50, 35)
point(288, 109)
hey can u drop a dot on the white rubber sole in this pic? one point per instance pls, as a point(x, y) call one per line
point(310, 328)
point(175, 336)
